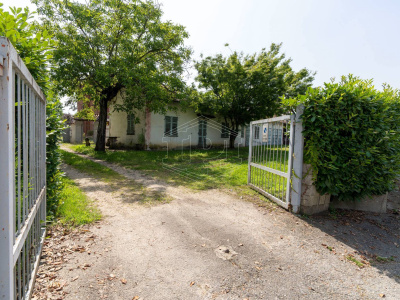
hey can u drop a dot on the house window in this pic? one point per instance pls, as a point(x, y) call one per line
point(242, 129)
point(224, 131)
point(130, 130)
point(171, 126)
point(256, 132)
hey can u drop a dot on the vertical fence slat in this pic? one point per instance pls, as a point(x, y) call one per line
point(22, 175)
point(19, 99)
point(250, 153)
point(7, 171)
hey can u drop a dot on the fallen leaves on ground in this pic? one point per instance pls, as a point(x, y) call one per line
point(60, 242)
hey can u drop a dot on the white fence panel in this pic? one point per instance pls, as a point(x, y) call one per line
point(22, 175)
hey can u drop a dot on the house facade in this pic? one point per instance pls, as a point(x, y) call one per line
point(174, 130)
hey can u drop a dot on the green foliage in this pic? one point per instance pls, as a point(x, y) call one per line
point(106, 47)
point(141, 139)
point(352, 135)
point(96, 170)
point(75, 208)
point(54, 129)
point(86, 113)
point(32, 42)
point(355, 261)
point(246, 88)
point(205, 168)
point(34, 45)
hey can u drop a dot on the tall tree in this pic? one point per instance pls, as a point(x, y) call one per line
point(242, 88)
point(106, 47)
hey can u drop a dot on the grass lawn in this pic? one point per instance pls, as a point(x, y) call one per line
point(75, 208)
point(197, 169)
point(91, 168)
point(131, 190)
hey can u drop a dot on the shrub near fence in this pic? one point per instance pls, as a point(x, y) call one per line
point(352, 137)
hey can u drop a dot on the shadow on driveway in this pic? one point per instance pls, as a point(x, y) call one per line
point(375, 237)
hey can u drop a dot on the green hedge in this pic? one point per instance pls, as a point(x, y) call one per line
point(352, 137)
point(54, 129)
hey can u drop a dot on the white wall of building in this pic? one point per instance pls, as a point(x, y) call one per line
point(119, 123)
point(77, 132)
point(188, 129)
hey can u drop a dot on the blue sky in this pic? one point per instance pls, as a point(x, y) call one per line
point(331, 37)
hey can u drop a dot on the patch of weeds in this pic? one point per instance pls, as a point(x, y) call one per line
point(332, 249)
point(355, 261)
point(196, 169)
point(305, 216)
point(75, 207)
point(128, 190)
point(382, 259)
point(333, 213)
point(89, 167)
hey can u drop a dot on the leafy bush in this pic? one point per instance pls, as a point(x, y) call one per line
point(54, 129)
point(34, 45)
point(352, 137)
point(33, 42)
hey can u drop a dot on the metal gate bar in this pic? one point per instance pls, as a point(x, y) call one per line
point(270, 158)
point(22, 175)
point(275, 165)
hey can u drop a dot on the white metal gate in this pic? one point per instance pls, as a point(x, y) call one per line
point(275, 155)
point(22, 175)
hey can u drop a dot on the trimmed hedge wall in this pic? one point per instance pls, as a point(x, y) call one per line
point(352, 137)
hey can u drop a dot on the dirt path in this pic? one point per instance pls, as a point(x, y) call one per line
point(211, 245)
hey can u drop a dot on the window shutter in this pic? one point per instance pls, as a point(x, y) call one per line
point(171, 126)
point(131, 124)
point(224, 131)
point(174, 126)
point(167, 125)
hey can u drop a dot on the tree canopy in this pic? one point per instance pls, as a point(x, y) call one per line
point(33, 43)
point(242, 88)
point(106, 47)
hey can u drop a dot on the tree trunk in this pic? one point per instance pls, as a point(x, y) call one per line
point(101, 129)
point(232, 138)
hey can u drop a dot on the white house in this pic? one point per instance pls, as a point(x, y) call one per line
point(174, 130)
point(269, 134)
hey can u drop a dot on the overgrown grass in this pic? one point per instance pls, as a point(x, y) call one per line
point(91, 168)
point(75, 207)
point(197, 169)
point(128, 190)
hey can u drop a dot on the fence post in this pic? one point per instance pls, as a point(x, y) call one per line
point(7, 188)
point(297, 161)
point(250, 150)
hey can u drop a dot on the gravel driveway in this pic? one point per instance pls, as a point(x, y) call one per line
point(213, 245)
